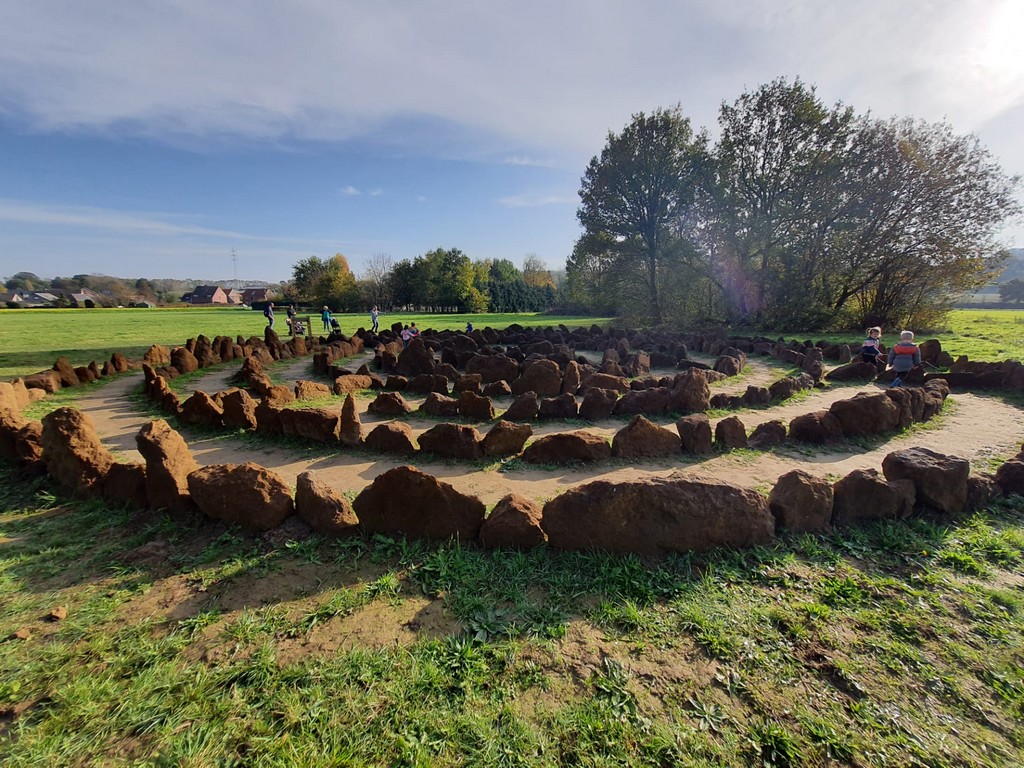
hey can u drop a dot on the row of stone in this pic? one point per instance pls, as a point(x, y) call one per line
point(653, 516)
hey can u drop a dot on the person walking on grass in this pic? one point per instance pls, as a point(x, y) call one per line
point(374, 316)
point(325, 316)
point(904, 357)
point(268, 313)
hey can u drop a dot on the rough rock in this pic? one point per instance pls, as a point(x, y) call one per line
point(866, 413)
point(1010, 476)
point(524, 408)
point(415, 359)
point(514, 523)
point(567, 448)
point(311, 390)
point(183, 361)
point(642, 438)
point(407, 501)
point(73, 453)
point(125, 484)
point(598, 404)
point(394, 437)
point(351, 382)
point(455, 441)
point(440, 405)
point(767, 435)
point(168, 465)
point(474, 406)
point(604, 381)
point(561, 407)
point(855, 371)
point(203, 410)
point(505, 438)
point(571, 378)
point(940, 481)
point(657, 516)
point(802, 502)
point(324, 509)
point(650, 402)
point(818, 427)
point(695, 433)
point(241, 494)
point(540, 376)
point(730, 434)
point(320, 425)
point(389, 404)
point(239, 409)
point(493, 368)
point(864, 495)
point(350, 432)
point(690, 392)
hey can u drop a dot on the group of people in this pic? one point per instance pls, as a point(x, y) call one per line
point(330, 322)
point(903, 357)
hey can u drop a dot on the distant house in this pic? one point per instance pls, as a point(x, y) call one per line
point(249, 295)
point(207, 294)
point(234, 296)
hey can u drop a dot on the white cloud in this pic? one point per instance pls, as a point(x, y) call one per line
point(534, 201)
point(351, 191)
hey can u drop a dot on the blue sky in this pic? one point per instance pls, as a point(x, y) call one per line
point(152, 138)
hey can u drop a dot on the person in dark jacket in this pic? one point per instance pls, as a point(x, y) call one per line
point(904, 356)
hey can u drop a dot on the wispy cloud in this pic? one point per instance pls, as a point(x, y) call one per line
point(351, 191)
point(535, 201)
point(99, 218)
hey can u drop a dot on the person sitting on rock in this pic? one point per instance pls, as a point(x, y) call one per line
point(872, 347)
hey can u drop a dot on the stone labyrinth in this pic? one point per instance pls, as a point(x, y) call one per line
point(624, 441)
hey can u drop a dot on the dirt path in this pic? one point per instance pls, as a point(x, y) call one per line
point(979, 428)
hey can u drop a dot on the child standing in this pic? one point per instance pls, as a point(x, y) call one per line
point(325, 316)
point(904, 357)
point(871, 348)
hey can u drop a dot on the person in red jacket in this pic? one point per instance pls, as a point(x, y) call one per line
point(904, 356)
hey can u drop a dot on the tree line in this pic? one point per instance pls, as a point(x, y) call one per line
point(441, 280)
point(800, 215)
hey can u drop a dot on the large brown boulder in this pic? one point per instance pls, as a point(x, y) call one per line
point(690, 392)
point(598, 404)
point(604, 381)
point(940, 481)
point(650, 402)
point(571, 378)
point(455, 441)
point(407, 501)
point(311, 390)
point(567, 448)
point(474, 406)
point(415, 359)
point(168, 465)
point(241, 494)
point(695, 433)
point(350, 433)
point(157, 355)
point(428, 382)
point(1010, 476)
point(818, 427)
point(767, 435)
point(389, 404)
point(239, 409)
point(203, 410)
point(393, 437)
point(515, 523)
point(505, 438)
point(523, 408)
point(320, 425)
point(540, 376)
point(183, 361)
point(855, 371)
point(73, 453)
point(867, 413)
point(66, 373)
point(864, 495)
point(493, 368)
point(561, 407)
point(730, 434)
point(47, 381)
point(657, 516)
point(440, 405)
point(801, 502)
point(351, 383)
point(642, 438)
point(324, 509)
point(125, 484)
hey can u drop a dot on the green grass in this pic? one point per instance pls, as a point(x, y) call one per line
point(30, 340)
point(894, 645)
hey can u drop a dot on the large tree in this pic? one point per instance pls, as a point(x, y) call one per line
point(326, 281)
point(636, 198)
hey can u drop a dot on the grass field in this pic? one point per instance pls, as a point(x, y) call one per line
point(30, 340)
point(897, 645)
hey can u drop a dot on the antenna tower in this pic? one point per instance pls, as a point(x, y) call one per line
point(234, 265)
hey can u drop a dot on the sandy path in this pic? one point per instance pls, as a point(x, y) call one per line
point(979, 427)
